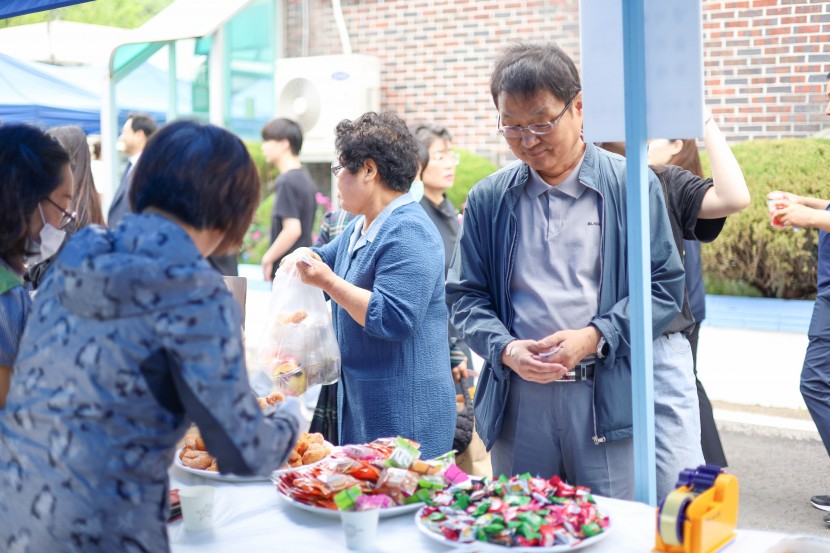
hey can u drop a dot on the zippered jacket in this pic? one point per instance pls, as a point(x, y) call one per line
point(478, 287)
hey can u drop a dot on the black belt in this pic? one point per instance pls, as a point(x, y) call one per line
point(582, 371)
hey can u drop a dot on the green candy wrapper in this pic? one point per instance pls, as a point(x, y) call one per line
point(591, 529)
point(345, 500)
point(403, 455)
point(431, 483)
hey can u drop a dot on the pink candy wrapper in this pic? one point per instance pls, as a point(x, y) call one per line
point(455, 475)
point(369, 502)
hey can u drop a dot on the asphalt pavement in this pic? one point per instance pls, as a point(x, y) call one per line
point(777, 475)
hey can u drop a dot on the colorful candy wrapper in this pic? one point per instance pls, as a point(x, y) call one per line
point(454, 475)
point(421, 496)
point(426, 467)
point(345, 500)
point(337, 482)
point(399, 479)
point(368, 502)
point(431, 482)
point(403, 455)
point(361, 452)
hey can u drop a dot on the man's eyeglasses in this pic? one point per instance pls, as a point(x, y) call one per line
point(67, 218)
point(335, 169)
point(512, 132)
point(451, 157)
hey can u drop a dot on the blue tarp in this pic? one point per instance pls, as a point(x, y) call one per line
point(12, 8)
point(48, 95)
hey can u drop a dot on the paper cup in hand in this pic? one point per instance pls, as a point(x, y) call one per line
point(197, 507)
point(360, 528)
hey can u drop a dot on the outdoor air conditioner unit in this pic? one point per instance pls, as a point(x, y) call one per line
point(318, 92)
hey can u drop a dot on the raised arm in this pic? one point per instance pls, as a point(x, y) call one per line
point(729, 193)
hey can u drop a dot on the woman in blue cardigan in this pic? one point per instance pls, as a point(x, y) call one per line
point(385, 273)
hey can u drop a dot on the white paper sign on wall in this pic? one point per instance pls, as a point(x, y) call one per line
point(674, 69)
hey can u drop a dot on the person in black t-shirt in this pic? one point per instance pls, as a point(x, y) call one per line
point(294, 193)
point(685, 433)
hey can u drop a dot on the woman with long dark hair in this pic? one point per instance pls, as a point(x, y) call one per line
point(35, 198)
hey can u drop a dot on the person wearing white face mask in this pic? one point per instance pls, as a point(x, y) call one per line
point(36, 186)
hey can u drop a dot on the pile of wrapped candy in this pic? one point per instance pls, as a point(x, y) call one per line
point(385, 473)
point(517, 512)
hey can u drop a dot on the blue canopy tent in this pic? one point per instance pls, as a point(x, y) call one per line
point(13, 8)
point(30, 95)
point(48, 95)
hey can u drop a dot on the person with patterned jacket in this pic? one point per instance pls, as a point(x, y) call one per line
point(133, 336)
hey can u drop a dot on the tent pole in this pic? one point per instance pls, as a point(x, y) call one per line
point(109, 134)
point(172, 83)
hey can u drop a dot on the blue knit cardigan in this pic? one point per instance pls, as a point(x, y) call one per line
point(396, 377)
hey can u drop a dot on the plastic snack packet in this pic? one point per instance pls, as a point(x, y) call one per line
point(403, 455)
point(547, 354)
point(399, 479)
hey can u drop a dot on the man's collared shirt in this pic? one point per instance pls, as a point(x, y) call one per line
point(555, 283)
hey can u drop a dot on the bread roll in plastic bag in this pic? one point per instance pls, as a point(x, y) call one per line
point(298, 349)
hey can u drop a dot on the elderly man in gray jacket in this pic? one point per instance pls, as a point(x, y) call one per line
point(538, 285)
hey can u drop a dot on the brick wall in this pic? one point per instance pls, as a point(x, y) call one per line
point(765, 60)
point(765, 66)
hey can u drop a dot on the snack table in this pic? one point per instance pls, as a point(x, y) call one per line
point(250, 518)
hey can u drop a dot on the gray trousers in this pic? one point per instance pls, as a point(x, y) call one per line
point(548, 429)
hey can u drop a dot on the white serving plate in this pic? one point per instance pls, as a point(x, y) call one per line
point(483, 547)
point(233, 477)
point(215, 475)
point(331, 513)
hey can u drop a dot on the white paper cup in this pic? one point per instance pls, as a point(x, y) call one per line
point(360, 528)
point(197, 508)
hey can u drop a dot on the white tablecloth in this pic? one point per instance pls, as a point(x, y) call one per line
point(250, 518)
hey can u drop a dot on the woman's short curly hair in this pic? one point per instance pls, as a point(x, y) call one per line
point(202, 175)
point(32, 165)
point(383, 138)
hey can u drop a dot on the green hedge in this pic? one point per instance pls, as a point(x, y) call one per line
point(751, 254)
point(471, 169)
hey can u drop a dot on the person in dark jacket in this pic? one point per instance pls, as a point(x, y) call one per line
point(538, 285)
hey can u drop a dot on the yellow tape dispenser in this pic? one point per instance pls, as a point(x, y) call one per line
point(700, 516)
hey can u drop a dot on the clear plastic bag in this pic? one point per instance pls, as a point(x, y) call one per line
point(298, 349)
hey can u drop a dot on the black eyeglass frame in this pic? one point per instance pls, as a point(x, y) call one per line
point(549, 126)
point(68, 218)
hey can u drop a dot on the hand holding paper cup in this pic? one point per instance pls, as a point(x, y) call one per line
point(197, 508)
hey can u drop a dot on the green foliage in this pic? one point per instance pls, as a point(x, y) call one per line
point(114, 13)
point(267, 172)
point(258, 237)
point(721, 287)
point(779, 263)
point(471, 169)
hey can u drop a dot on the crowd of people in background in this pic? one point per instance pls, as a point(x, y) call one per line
point(132, 333)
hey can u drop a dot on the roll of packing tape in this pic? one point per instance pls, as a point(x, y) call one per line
point(672, 515)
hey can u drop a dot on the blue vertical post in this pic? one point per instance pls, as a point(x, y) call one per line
point(639, 251)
